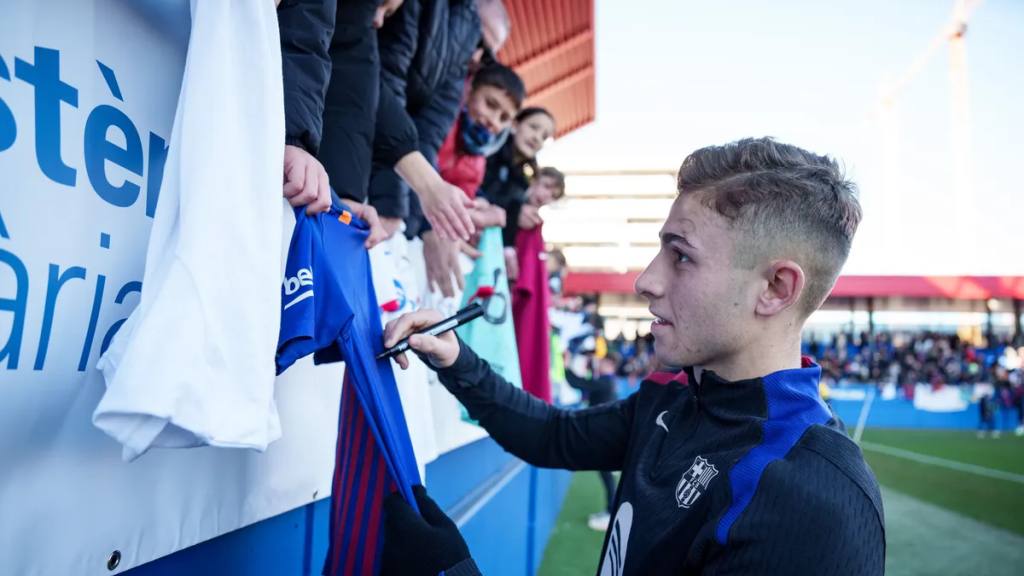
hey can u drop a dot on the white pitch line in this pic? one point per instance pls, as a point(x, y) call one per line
point(951, 464)
point(863, 419)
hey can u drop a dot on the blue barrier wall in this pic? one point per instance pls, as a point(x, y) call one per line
point(900, 413)
point(506, 511)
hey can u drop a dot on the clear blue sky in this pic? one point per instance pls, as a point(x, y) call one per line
point(675, 75)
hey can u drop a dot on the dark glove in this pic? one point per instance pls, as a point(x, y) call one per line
point(426, 544)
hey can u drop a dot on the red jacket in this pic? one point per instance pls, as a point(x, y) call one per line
point(459, 168)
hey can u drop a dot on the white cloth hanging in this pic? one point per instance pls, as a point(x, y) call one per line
point(194, 364)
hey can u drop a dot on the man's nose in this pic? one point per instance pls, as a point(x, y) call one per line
point(647, 284)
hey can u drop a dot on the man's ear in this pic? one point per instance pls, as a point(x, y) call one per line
point(785, 286)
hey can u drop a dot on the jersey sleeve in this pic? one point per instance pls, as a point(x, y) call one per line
point(807, 517)
point(298, 315)
point(313, 311)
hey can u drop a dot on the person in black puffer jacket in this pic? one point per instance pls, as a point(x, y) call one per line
point(329, 125)
point(425, 48)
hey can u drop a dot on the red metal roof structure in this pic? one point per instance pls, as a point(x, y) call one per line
point(552, 48)
point(943, 287)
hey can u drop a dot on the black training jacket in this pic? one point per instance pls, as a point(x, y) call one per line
point(306, 28)
point(748, 477)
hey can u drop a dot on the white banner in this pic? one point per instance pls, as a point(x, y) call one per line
point(943, 399)
point(450, 430)
point(88, 90)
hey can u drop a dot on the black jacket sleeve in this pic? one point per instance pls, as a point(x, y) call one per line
point(395, 137)
point(397, 42)
point(541, 434)
point(806, 518)
point(433, 122)
point(350, 110)
point(306, 28)
point(435, 118)
point(395, 134)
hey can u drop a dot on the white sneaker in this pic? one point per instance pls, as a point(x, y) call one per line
point(599, 522)
point(1019, 431)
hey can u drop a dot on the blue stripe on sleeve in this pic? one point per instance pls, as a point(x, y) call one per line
point(793, 406)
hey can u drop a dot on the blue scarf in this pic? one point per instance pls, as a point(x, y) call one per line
point(476, 138)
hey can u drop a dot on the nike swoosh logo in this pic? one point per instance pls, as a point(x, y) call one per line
point(660, 420)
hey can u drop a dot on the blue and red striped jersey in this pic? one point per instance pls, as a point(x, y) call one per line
point(329, 309)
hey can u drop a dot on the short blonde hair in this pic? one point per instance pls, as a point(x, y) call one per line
point(786, 201)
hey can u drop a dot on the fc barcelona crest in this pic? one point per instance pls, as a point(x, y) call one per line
point(694, 482)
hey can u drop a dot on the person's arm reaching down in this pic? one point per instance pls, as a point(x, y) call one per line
point(306, 28)
point(445, 206)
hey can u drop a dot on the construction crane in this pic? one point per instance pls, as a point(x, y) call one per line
point(953, 35)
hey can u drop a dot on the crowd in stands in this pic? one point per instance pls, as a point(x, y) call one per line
point(901, 359)
point(906, 360)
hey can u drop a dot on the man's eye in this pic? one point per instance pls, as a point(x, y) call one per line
point(682, 256)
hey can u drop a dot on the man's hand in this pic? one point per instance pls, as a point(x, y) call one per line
point(305, 181)
point(446, 207)
point(442, 260)
point(529, 217)
point(427, 545)
point(485, 214)
point(368, 214)
point(441, 351)
point(511, 264)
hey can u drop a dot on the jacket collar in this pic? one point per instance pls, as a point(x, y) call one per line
point(752, 397)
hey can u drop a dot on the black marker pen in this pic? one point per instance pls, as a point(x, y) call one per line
point(474, 310)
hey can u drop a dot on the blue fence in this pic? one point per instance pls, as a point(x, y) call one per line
point(506, 511)
point(900, 413)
